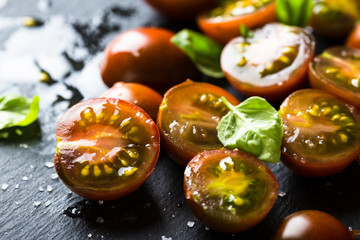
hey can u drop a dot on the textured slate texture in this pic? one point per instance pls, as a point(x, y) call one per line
point(158, 208)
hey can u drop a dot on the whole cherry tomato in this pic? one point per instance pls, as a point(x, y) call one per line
point(146, 56)
point(311, 224)
point(271, 64)
point(337, 70)
point(188, 117)
point(321, 133)
point(353, 39)
point(182, 9)
point(138, 94)
point(106, 148)
point(223, 23)
point(229, 191)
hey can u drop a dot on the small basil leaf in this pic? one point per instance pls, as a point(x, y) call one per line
point(253, 126)
point(294, 12)
point(246, 32)
point(202, 50)
point(17, 110)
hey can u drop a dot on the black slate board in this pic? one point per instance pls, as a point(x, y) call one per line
point(157, 209)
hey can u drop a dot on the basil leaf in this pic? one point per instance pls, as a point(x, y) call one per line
point(246, 32)
point(17, 110)
point(253, 126)
point(202, 50)
point(294, 12)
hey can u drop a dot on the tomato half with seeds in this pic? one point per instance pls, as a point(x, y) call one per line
point(140, 95)
point(229, 191)
point(311, 224)
point(188, 117)
point(223, 23)
point(337, 70)
point(321, 133)
point(353, 39)
point(334, 18)
point(146, 56)
point(271, 64)
point(106, 148)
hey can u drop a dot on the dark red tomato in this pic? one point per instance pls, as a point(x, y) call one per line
point(146, 56)
point(229, 191)
point(321, 133)
point(223, 23)
point(311, 225)
point(334, 18)
point(353, 39)
point(106, 148)
point(188, 117)
point(138, 94)
point(182, 9)
point(337, 70)
point(272, 64)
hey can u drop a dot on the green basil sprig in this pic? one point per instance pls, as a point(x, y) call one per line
point(294, 12)
point(202, 50)
point(253, 126)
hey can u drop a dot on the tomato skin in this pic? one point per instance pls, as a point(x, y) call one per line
point(225, 29)
point(353, 39)
point(146, 56)
point(275, 86)
point(181, 9)
point(176, 146)
point(308, 147)
point(96, 145)
point(320, 80)
point(140, 95)
point(311, 224)
point(207, 210)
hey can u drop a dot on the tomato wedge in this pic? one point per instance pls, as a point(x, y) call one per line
point(106, 148)
point(353, 39)
point(272, 64)
point(229, 191)
point(188, 117)
point(337, 70)
point(321, 133)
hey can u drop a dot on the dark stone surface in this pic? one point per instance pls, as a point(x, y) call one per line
point(158, 207)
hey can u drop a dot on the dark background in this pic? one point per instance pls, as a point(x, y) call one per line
point(158, 208)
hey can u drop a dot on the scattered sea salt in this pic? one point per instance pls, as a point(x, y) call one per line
point(165, 238)
point(100, 220)
point(54, 176)
point(49, 164)
point(17, 186)
point(41, 189)
point(25, 178)
point(89, 235)
point(4, 186)
point(23, 145)
point(37, 203)
point(190, 224)
point(281, 194)
point(47, 203)
point(49, 188)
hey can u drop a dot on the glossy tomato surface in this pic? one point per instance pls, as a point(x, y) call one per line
point(223, 23)
point(337, 70)
point(182, 9)
point(321, 133)
point(146, 56)
point(271, 64)
point(334, 18)
point(229, 191)
point(140, 95)
point(106, 148)
point(188, 117)
point(353, 39)
point(311, 225)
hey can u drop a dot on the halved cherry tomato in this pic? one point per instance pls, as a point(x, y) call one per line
point(337, 70)
point(146, 56)
point(311, 224)
point(334, 18)
point(182, 9)
point(223, 23)
point(353, 39)
point(229, 191)
point(188, 117)
point(106, 148)
point(321, 133)
point(140, 95)
point(272, 64)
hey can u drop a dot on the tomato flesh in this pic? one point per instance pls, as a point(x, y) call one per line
point(271, 64)
point(337, 70)
point(353, 39)
point(188, 117)
point(106, 148)
point(229, 191)
point(321, 133)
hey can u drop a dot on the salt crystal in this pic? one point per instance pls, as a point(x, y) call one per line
point(49, 188)
point(41, 189)
point(17, 186)
point(190, 224)
point(47, 203)
point(54, 176)
point(89, 235)
point(25, 178)
point(23, 145)
point(165, 238)
point(4, 186)
point(100, 220)
point(281, 194)
point(207, 229)
point(49, 164)
point(100, 202)
point(37, 203)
